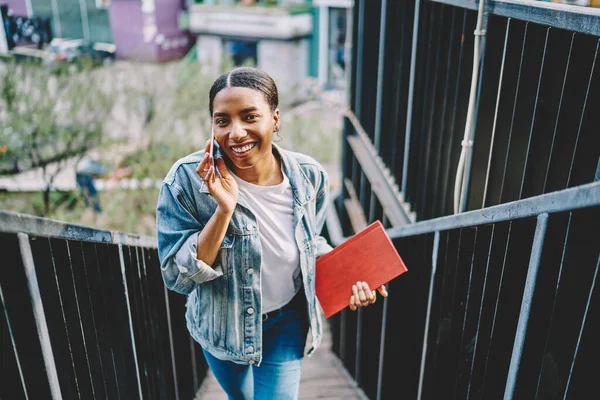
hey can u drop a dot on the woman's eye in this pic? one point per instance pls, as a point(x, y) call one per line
point(220, 121)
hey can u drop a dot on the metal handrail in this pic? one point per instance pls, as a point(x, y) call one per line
point(564, 16)
point(13, 222)
point(565, 200)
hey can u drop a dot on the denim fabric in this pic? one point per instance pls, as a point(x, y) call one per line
point(224, 300)
point(278, 376)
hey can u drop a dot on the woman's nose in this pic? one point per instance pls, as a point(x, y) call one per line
point(237, 131)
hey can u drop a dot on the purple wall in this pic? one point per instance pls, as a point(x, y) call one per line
point(165, 42)
point(18, 7)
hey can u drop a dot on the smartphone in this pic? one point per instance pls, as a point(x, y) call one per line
point(212, 145)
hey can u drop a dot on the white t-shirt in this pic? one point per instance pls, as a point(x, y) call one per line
point(273, 207)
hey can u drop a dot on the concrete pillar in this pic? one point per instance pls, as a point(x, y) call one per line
point(286, 61)
point(210, 53)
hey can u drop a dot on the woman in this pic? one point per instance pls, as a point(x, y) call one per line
point(240, 236)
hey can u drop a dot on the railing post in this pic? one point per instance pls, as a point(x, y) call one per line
point(379, 95)
point(343, 335)
point(359, 58)
point(359, 323)
point(531, 280)
point(434, 258)
point(411, 96)
point(172, 347)
point(127, 301)
point(382, 348)
point(40, 316)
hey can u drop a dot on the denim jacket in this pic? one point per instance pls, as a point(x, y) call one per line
point(223, 310)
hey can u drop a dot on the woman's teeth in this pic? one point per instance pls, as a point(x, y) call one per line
point(243, 149)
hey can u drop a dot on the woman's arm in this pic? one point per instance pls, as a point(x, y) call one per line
point(211, 237)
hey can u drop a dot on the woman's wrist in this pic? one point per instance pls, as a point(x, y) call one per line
point(224, 212)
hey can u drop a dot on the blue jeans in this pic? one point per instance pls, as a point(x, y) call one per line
point(88, 190)
point(278, 376)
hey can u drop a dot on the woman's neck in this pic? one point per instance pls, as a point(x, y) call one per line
point(265, 173)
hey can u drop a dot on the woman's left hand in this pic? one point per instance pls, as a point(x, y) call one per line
point(362, 295)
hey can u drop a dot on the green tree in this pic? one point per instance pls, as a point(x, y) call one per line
point(45, 119)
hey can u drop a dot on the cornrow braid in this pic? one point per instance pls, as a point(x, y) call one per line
point(251, 78)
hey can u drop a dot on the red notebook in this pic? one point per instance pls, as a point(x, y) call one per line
point(368, 256)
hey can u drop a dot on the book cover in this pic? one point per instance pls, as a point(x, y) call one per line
point(367, 256)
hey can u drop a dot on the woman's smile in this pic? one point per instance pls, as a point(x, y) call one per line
point(242, 150)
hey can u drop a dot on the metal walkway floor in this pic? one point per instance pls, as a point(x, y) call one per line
point(323, 377)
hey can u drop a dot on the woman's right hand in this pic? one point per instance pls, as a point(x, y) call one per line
point(224, 188)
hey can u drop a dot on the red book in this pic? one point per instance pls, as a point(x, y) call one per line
point(368, 256)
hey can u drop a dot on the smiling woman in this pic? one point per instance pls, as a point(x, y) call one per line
point(238, 233)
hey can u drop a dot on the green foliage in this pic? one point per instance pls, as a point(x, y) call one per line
point(45, 117)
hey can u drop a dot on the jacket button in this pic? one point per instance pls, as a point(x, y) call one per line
point(250, 271)
point(251, 311)
point(249, 349)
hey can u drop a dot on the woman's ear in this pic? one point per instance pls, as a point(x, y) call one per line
point(276, 124)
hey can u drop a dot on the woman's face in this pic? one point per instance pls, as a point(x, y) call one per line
point(243, 125)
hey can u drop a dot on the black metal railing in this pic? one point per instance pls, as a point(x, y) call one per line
point(535, 107)
point(497, 302)
point(85, 315)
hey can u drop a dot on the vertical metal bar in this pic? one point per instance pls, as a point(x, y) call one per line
point(194, 367)
point(587, 93)
point(532, 272)
point(359, 323)
point(411, 96)
point(172, 347)
point(537, 96)
point(133, 344)
point(40, 316)
point(558, 281)
point(14, 345)
point(514, 111)
point(464, 324)
point(443, 131)
point(379, 95)
point(359, 59)
point(562, 93)
point(487, 356)
point(585, 314)
point(380, 77)
point(485, 282)
point(382, 348)
point(83, 336)
point(447, 179)
point(422, 196)
point(434, 258)
point(343, 335)
point(487, 174)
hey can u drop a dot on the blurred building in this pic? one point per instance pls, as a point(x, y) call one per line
point(143, 29)
point(291, 39)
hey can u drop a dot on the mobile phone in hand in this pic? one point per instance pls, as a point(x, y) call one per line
point(212, 146)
